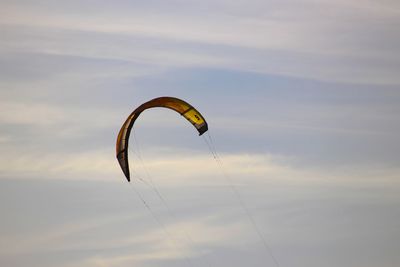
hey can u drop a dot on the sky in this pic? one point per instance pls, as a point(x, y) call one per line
point(302, 102)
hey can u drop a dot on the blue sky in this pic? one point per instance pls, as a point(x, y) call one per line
point(302, 101)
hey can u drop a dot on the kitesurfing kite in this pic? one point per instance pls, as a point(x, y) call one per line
point(198, 121)
point(180, 106)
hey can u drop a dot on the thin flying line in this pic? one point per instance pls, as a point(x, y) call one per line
point(166, 232)
point(151, 184)
point(213, 150)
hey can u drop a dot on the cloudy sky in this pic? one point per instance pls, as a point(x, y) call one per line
point(302, 100)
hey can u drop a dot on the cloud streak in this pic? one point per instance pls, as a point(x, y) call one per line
point(301, 98)
point(310, 40)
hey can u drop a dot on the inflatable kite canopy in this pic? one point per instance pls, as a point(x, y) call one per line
point(180, 106)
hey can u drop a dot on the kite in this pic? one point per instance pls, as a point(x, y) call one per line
point(185, 109)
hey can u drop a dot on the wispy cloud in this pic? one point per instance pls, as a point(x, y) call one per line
point(324, 40)
point(302, 103)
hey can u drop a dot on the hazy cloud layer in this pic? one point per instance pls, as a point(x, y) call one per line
point(338, 41)
point(302, 102)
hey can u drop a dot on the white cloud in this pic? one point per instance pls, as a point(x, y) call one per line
point(171, 168)
point(30, 114)
point(55, 119)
